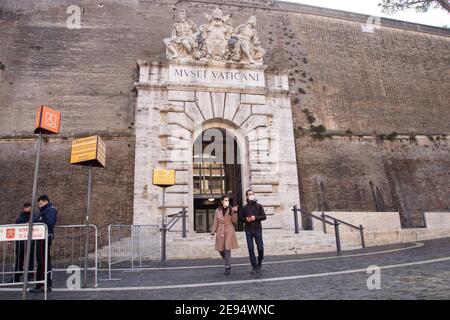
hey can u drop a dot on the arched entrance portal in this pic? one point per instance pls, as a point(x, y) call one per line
point(216, 171)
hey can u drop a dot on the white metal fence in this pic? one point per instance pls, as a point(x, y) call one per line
point(13, 239)
point(129, 245)
point(120, 246)
point(69, 249)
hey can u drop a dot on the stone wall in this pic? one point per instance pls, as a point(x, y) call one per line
point(353, 83)
point(112, 187)
point(171, 114)
point(381, 228)
point(338, 173)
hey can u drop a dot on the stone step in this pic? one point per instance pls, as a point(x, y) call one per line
point(199, 245)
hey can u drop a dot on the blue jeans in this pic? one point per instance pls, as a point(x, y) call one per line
point(257, 235)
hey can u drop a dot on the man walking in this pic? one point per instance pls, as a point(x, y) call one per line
point(251, 215)
point(47, 215)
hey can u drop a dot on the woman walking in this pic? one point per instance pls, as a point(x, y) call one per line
point(223, 227)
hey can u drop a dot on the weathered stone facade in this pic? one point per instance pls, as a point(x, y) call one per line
point(171, 114)
point(362, 87)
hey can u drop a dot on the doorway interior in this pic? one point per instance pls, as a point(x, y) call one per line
point(216, 172)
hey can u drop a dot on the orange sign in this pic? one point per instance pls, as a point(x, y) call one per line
point(47, 120)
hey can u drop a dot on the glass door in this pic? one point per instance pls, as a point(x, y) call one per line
point(201, 220)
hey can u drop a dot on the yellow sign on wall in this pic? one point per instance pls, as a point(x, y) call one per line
point(88, 151)
point(163, 177)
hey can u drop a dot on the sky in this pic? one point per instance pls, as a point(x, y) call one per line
point(434, 17)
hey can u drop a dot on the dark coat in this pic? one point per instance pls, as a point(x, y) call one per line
point(23, 218)
point(252, 208)
point(47, 215)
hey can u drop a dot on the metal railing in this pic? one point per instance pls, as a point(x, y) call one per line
point(336, 222)
point(132, 243)
point(166, 227)
point(360, 228)
point(102, 232)
point(69, 249)
point(324, 221)
point(12, 260)
point(13, 252)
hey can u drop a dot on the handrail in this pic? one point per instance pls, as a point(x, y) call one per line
point(106, 225)
point(175, 217)
point(82, 231)
point(166, 227)
point(360, 228)
point(324, 221)
point(313, 216)
point(341, 221)
point(109, 223)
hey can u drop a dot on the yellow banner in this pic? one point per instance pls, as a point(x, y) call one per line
point(163, 177)
point(101, 152)
point(88, 149)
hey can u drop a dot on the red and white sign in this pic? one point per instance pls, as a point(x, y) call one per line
point(17, 233)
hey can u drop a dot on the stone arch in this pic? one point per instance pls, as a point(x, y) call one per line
point(239, 136)
point(245, 111)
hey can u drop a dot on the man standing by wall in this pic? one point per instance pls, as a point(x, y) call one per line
point(251, 215)
point(24, 217)
point(47, 215)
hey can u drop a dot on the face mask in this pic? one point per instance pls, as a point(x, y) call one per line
point(251, 197)
point(226, 204)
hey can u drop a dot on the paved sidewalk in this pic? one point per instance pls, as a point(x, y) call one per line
point(418, 270)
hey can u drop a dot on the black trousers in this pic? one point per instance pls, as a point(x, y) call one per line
point(21, 247)
point(257, 235)
point(40, 260)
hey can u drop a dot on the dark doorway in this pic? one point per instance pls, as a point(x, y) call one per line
point(216, 172)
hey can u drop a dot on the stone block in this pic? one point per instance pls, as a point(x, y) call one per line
point(180, 119)
point(253, 99)
point(193, 112)
point(181, 95)
point(262, 109)
point(243, 113)
point(204, 104)
point(218, 102)
point(232, 102)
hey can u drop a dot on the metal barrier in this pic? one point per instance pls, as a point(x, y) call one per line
point(13, 253)
point(336, 220)
point(132, 243)
point(167, 226)
point(69, 249)
point(324, 221)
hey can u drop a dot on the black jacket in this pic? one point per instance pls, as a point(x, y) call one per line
point(47, 215)
point(252, 208)
point(23, 218)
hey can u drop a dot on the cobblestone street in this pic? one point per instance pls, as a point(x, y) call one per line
point(418, 270)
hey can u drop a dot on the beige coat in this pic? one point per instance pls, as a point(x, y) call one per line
point(223, 227)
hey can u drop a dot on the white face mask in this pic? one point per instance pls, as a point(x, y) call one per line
point(251, 197)
point(226, 204)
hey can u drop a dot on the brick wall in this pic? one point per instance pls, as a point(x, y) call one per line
point(366, 84)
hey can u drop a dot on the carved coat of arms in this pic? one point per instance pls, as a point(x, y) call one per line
point(215, 40)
